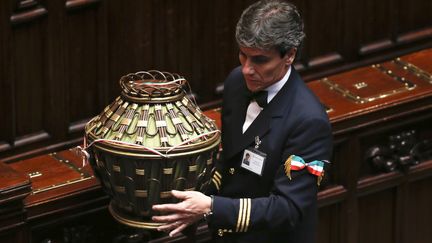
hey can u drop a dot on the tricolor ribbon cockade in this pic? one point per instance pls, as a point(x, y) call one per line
point(315, 167)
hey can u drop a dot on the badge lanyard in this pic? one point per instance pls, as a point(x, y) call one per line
point(253, 159)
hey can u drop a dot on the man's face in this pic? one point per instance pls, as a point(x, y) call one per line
point(262, 68)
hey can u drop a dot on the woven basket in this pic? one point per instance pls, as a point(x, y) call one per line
point(150, 140)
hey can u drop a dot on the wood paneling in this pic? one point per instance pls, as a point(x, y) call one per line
point(410, 17)
point(323, 24)
point(26, 72)
point(418, 212)
point(61, 60)
point(26, 11)
point(81, 61)
point(374, 228)
point(376, 25)
point(329, 224)
point(6, 125)
point(14, 187)
point(130, 45)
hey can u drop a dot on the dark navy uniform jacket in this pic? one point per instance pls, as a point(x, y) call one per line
point(271, 207)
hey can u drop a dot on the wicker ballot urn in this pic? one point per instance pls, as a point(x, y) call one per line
point(150, 140)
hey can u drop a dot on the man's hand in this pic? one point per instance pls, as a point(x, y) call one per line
point(192, 208)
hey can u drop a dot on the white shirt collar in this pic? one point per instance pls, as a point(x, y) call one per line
point(274, 88)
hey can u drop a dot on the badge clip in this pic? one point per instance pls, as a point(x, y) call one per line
point(257, 142)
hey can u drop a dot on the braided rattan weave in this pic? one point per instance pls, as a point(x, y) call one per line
point(150, 140)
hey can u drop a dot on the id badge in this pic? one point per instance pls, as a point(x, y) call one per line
point(253, 160)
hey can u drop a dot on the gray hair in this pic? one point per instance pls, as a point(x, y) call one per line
point(270, 24)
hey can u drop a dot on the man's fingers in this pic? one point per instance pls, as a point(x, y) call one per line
point(177, 207)
point(179, 194)
point(178, 229)
point(167, 227)
point(169, 218)
point(174, 227)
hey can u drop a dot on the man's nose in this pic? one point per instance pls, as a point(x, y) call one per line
point(247, 69)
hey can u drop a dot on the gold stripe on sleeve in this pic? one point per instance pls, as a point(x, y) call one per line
point(216, 174)
point(248, 212)
point(239, 215)
point(216, 184)
point(243, 221)
point(243, 215)
point(217, 179)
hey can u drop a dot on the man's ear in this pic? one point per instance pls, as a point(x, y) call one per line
point(290, 56)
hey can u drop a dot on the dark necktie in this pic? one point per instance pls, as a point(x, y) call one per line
point(260, 97)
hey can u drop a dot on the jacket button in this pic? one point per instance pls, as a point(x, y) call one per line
point(232, 171)
point(220, 232)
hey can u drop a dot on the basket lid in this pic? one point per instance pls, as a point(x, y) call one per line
point(152, 117)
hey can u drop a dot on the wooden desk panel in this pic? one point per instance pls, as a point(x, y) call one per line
point(383, 90)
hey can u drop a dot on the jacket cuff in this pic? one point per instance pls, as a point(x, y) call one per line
point(231, 214)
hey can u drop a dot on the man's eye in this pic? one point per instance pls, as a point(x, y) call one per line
point(260, 60)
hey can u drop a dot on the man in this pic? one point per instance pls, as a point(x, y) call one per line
point(246, 159)
point(275, 200)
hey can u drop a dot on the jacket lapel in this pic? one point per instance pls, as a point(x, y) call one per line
point(235, 120)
